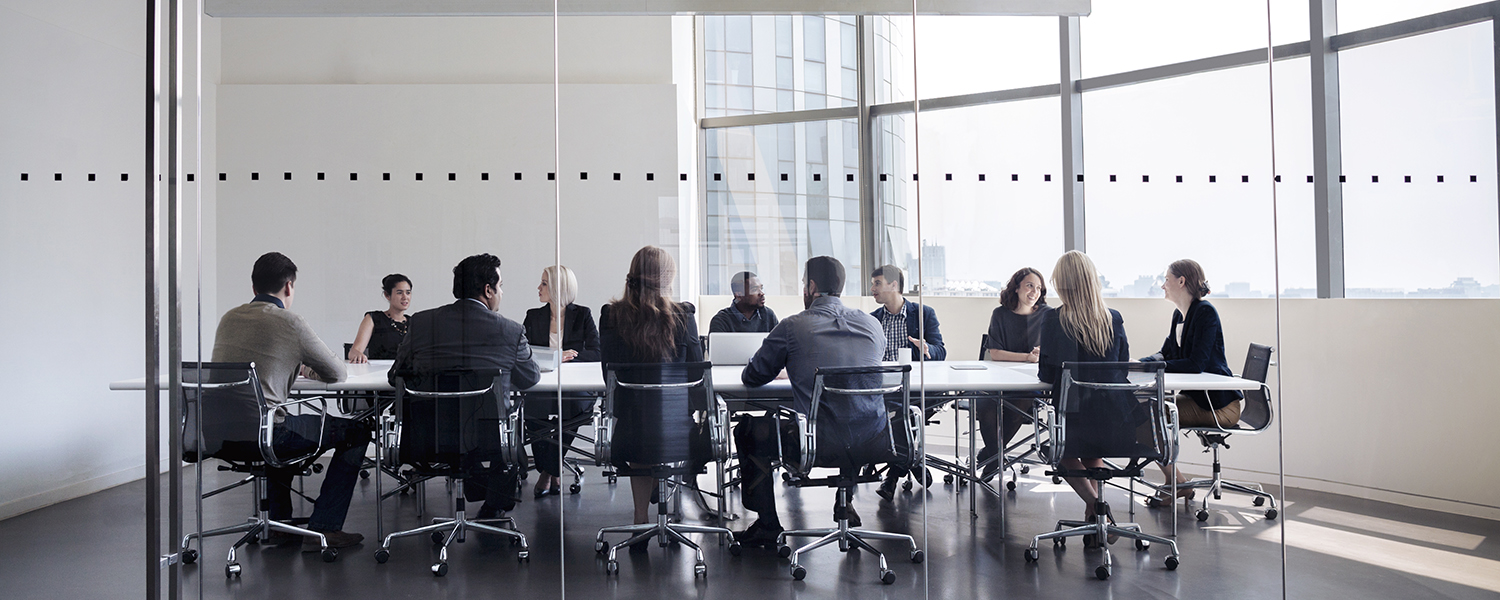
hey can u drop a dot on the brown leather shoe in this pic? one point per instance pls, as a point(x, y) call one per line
point(336, 539)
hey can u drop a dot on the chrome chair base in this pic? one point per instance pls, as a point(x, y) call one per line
point(445, 531)
point(847, 539)
point(1102, 528)
point(257, 527)
point(665, 531)
point(1216, 485)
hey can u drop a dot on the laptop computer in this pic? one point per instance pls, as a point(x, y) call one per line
point(725, 348)
point(546, 358)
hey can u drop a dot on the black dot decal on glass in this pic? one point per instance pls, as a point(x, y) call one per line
point(286, 176)
point(783, 177)
point(1343, 179)
point(354, 177)
point(914, 176)
point(682, 176)
point(1111, 178)
point(1374, 179)
point(750, 177)
point(1047, 177)
point(1179, 179)
point(1015, 177)
point(1440, 178)
point(1277, 179)
point(320, 177)
point(1145, 179)
point(124, 177)
point(484, 176)
point(1473, 179)
point(91, 176)
point(651, 177)
point(385, 176)
point(453, 177)
point(948, 177)
point(981, 176)
point(25, 176)
point(1244, 179)
point(552, 177)
point(255, 177)
point(718, 176)
point(817, 176)
point(1406, 179)
point(419, 176)
point(57, 176)
point(190, 177)
point(1213, 178)
point(518, 176)
point(882, 176)
point(1309, 178)
point(850, 177)
point(583, 175)
point(617, 176)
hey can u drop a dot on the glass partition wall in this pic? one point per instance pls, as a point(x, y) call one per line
point(944, 152)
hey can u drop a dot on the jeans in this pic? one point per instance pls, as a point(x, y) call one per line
point(298, 435)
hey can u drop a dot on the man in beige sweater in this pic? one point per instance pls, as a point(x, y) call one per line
point(282, 345)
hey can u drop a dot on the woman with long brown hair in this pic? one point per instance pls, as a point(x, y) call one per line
point(1083, 329)
point(645, 326)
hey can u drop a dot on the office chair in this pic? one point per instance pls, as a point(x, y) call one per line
point(1018, 456)
point(1101, 413)
point(1255, 417)
point(660, 420)
point(544, 424)
point(227, 417)
point(852, 385)
point(452, 425)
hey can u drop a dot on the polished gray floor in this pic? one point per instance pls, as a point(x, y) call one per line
point(1341, 547)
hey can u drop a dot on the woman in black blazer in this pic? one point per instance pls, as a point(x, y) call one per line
point(578, 340)
point(646, 326)
point(1200, 349)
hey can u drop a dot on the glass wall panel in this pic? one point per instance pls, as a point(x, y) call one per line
point(1419, 160)
point(1159, 32)
point(778, 63)
point(966, 55)
point(1354, 15)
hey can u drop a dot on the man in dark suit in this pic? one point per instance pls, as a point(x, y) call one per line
point(469, 335)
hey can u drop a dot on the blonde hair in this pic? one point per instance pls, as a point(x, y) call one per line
point(562, 285)
point(1083, 314)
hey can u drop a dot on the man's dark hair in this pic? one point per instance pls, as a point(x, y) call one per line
point(473, 273)
point(272, 272)
point(828, 273)
point(891, 273)
point(740, 281)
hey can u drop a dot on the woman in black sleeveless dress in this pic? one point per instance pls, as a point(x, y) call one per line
point(381, 331)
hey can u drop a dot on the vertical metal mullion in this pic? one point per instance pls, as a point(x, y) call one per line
point(174, 293)
point(153, 324)
point(869, 204)
point(1495, 40)
point(1328, 194)
point(1074, 233)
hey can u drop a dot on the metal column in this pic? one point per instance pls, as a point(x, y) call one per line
point(153, 325)
point(1074, 233)
point(1328, 193)
point(869, 204)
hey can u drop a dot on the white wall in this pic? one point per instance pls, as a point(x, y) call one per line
point(1384, 399)
point(73, 249)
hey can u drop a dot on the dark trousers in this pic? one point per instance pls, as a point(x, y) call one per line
point(297, 435)
point(1002, 422)
point(755, 439)
point(544, 450)
point(493, 485)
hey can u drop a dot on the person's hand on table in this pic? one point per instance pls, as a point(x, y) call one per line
point(920, 344)
point(568, 355)
point(1035, 355)
point(357, 357)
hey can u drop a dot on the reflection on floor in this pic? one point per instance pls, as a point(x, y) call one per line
point(1337, 547)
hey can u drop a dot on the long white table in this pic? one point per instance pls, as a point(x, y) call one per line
point(935, 377)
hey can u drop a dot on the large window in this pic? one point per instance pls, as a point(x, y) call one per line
point(778, 63)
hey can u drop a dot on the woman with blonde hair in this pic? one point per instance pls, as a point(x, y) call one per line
point(568, 328)
point(645, 326)
point(1083, 329)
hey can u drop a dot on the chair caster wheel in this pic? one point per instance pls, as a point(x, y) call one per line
point(1202, 515)
point(1025, 470)
point(1142, 545)
point(611, 567)
point(523, 556)
point(364, 474)
point(1056, 480)
point(1172, 563)
point(232, 570)
point(189, 556)
point(1259, 501)
point(600, 546)
point(917, 556)
point(799, 572)
point(437, 537)
point(1271, 514)
point(515, 541)
point(439, 569)
point(1102, 572)
point(700, 570)
point(575, 488)
point(887, 577)
point(1031, 555)
point(525, 475)
point(382, 555)
point(1010, 485)
point(785, 476)
point(735, 549)
point(948, 479)
point(784, 551)
point(906, 485)
point(1059, 542)
point(613, 479)
point(330, 554)
point(317, 467)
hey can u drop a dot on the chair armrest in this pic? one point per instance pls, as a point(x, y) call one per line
point(275, 414)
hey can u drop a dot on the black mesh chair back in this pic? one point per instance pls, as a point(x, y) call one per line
point(231, 402)
point(1104, 414)
point(655, 414)
point(447, 415)
point(1256, 413)
point(852, 411)
point(984, 346)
